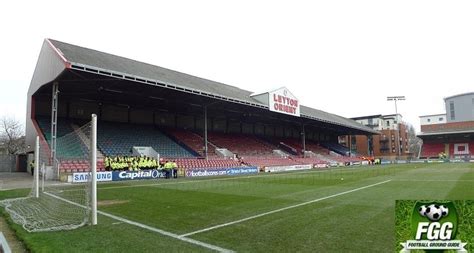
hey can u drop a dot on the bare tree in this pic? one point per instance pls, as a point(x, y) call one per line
point(12, 136)
point(414, 143)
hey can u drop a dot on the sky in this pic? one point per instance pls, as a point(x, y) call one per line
point(343, 57)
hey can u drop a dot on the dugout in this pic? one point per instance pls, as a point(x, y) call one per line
point(72, 82)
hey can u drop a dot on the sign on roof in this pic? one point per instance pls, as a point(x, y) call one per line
point(283, 101)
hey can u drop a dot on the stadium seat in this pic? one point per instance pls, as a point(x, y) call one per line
point(117, 139)
point(192, 140)
point(241, 144)
point(432, 150)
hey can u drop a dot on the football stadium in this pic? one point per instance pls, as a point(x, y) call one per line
point(132, 157)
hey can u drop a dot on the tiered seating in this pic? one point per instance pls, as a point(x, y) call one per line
point(70, 166)
point(67, 147)
point(294, 144)
point(270, 161)
point(118, 139)
point(243, 145)
point(202, 163)
point(432, 150)
point(192, 140)
point(317, 149)
point(343, 150)
point(310, 146)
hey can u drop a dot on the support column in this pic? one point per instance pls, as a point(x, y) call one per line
point(54, 123)
point(350, 145)
point(368, 144)
point(205, 132)
point(303, 138)
point(36, 169)
point(94, 169)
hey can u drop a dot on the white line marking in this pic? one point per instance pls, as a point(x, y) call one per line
point(432, 180)
point(281, 209)
point(163, 232)
point(4, 247)
point(202, 244)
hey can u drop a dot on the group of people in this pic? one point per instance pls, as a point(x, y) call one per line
point(135, 163)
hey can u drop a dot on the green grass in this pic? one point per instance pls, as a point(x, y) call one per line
point(360, 221)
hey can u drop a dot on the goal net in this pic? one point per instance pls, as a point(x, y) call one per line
point(53, 203)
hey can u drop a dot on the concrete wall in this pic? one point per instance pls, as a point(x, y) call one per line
point(463, 108)
point(433, 119)
point(7, 163)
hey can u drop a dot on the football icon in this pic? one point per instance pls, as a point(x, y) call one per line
point(422, 210)
point(433, 212)
point(444, 210)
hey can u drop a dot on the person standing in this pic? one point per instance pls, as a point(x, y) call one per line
point(175, 169)
point(32, 167)
point(167, 168)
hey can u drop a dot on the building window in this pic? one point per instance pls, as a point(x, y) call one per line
point(388, 122)
point(451, 110)
point(429, 120)
point(440, 119)
point(371, 122)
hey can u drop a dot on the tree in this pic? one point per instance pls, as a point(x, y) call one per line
point(12, 136)
point(414, 143)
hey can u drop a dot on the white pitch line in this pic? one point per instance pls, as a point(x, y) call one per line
point(4, 247)
point(432, 180)
point(280, 210)
point(175, 236)
point(157, 230)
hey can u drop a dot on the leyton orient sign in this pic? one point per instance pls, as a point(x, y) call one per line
point(283, 101)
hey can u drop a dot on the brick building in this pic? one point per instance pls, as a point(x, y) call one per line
point(390, 144)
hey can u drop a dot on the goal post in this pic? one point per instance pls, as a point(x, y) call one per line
point(53, 203)
point(36, 168)
point(94, 169)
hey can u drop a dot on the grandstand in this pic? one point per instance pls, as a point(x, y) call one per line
point(176, 114)
point(450, 133)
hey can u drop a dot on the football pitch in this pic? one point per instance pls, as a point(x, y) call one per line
point(347, 209)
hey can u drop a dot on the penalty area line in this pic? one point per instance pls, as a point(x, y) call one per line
point(157, 230)
point(280, 210)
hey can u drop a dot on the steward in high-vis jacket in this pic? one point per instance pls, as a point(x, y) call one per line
point(168, 167)
point(175, 169)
